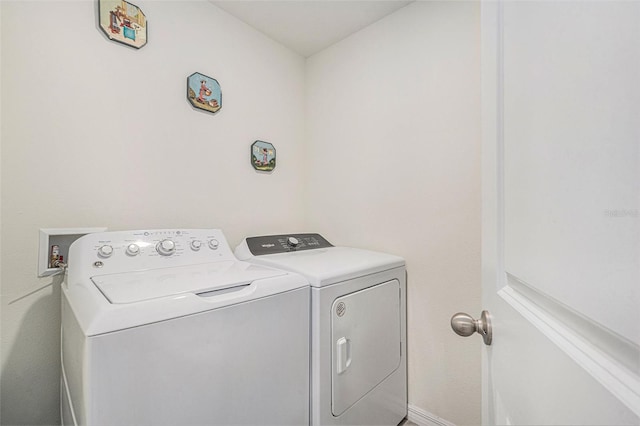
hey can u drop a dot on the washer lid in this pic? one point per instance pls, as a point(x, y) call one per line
point(138, 286)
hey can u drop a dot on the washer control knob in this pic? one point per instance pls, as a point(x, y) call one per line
point(213, 244)
point(105, 251)
point(166, 247)
point(133, 250)
point(196, 245)
point(293, 242)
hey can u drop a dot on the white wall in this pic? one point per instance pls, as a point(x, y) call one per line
point(393, 118)
point(98, 134)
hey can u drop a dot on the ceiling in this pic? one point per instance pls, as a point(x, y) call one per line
point(309, 26)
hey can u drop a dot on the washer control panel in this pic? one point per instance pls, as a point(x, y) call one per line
point(272, 244)
point(123, 251)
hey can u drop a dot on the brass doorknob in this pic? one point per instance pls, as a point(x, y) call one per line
point(464, 325)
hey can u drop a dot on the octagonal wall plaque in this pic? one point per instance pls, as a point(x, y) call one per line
point(263, 156)
point(123, 22)
point(204, 92)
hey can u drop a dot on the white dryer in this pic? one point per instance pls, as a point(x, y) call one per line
point(358, 326)
point(167, 327)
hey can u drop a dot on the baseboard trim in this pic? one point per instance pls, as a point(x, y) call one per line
point(424, 418)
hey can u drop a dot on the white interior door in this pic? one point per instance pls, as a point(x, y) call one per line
point(561, 213)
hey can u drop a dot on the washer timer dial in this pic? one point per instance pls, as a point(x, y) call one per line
point(166, 247)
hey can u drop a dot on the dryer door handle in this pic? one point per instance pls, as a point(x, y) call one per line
point(343, 354)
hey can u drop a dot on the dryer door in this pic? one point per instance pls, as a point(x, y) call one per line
point(365, 330)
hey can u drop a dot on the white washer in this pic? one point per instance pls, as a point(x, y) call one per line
point(358, 326)
point(167, 327)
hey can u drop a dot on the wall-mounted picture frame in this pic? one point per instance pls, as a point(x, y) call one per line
point(123, 22)
point(263, 156)
point(204, 92)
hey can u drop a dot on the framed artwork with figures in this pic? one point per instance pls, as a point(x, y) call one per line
point(123, 22)
point(263, 156)
point(203, 92)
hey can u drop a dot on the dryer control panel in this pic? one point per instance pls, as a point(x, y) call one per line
point(272, 244)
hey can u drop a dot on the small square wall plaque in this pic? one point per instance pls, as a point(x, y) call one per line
point(204, 92)
point(263, 156)
point(123, 22)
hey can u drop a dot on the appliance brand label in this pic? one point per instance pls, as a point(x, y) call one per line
point(341, 308)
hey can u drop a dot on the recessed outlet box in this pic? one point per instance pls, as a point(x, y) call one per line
point(62, 239)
